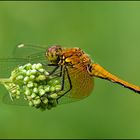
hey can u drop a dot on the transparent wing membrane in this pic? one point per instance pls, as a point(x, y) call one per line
point(23, 51)
point(22, 56)
point(9, 64)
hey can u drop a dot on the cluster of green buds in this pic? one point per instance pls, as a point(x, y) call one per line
point(34, 83)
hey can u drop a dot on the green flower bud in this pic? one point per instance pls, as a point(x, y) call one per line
point(35, 84)
point(28, 66)
point(30, 84)
point(60, 93)
point(13, 91)
point(46, 73)
point(55, 82)
point(41, 92)
point(58, 87)
point(38, 66)
point(34, 66)
point(23, 71)
point(45, 101)
point(41, 78)
point(29, 98)
point(17, 97)
point(32, 77)
point(40, 87)
point(20, 77)
point(31, 103)
point(54, 96)
point(36, 102)
point(18, 92)
point(27, 92)
point(33, 72)
point(35, 90)
point(26, 79)
point(41, 70)
point(52, 88)
point(33, 95)
point(37, 97)
point(20, 68)
point(28, 72)
point(47, 88)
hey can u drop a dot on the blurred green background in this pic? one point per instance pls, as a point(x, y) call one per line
point(110, 33)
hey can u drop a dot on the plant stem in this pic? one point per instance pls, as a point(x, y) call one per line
point(5, 80)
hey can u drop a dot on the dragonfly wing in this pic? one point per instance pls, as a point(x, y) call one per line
point(23, 56)
point(23, 51)
point(9, 64)
point(34, 53)
point(82, 85)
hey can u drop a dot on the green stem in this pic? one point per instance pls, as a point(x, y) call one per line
point(5, 80)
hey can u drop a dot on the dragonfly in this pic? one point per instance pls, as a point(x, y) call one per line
point(72, 65)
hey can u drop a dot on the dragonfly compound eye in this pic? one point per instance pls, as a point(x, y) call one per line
point(53, 54)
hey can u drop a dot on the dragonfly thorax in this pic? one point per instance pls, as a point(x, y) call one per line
point(74, 57)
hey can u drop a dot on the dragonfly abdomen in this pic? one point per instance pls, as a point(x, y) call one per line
point(98, 71)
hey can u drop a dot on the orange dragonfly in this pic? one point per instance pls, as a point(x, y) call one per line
point(72, 65)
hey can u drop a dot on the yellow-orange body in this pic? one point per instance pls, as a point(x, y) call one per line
point(76, 60)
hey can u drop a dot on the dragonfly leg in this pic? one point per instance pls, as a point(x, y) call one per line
point(63, 71)
point(63, 79)
point(64, 83)
point(60, 74)
point(52, 72)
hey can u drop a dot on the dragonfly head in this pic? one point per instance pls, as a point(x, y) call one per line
point(53, 54)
